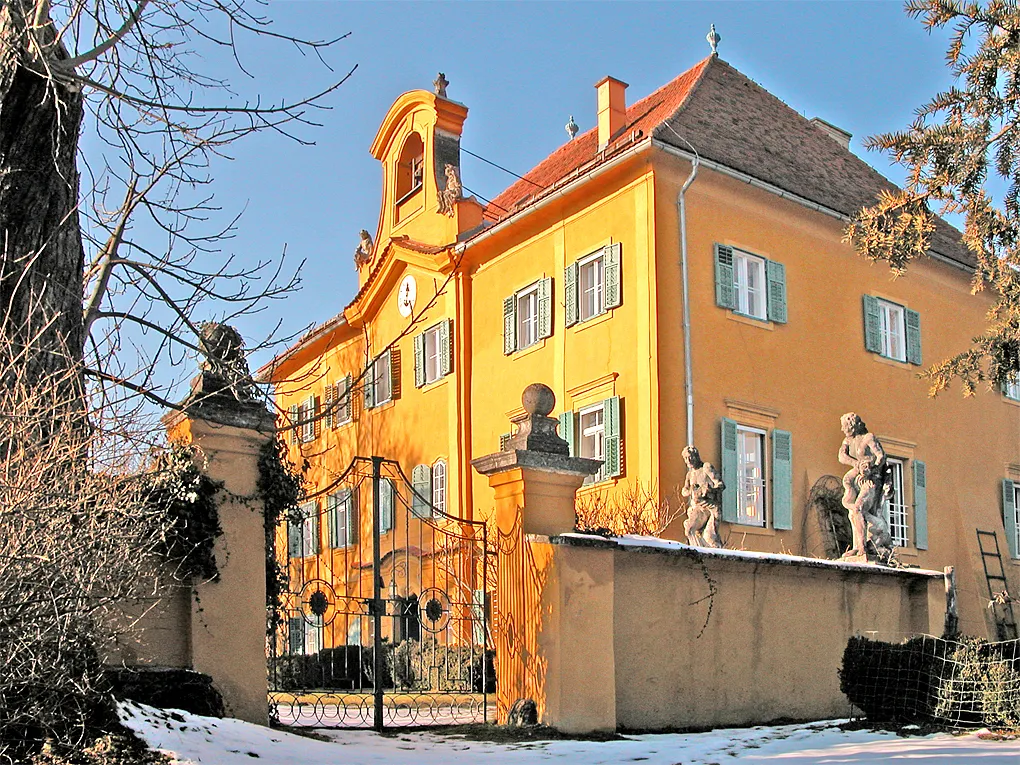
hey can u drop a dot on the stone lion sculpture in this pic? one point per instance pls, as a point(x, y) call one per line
point(704, 487)
point(866, 486)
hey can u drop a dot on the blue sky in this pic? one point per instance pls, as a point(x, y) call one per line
point(522, 68)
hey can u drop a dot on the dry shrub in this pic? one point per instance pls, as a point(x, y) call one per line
point(632, 508)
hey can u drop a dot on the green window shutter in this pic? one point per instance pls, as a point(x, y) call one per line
point(421, 502)
point(920, 505)
point(504, 442)
point(330, 406)
point(419, 360)
point(1009, 517)
point(872, 325)
point(570, 306)
point(545, 307)
point(725, 295)
point(611, 266)
point(729, 470)
point(782, 479)
point(613, 466)
point(332, 522)
point(775, 274)
point(353, 517)
point(509, 325)
point(567, 431)
point(445, 347)
point(913, 322)
point(295, 415)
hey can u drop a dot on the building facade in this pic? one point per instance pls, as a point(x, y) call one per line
point(575, 276)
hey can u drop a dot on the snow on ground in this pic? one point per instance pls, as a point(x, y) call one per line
point(191, 739)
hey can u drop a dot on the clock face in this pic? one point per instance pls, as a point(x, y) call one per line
point(406, 296)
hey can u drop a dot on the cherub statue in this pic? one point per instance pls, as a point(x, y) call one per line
point(452, 193)
point(363, 255)
point(704, 487)
point(865, 486)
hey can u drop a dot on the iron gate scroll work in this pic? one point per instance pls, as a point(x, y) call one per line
point(387, 631)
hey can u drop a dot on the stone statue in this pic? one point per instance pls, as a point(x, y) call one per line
point(440, 84)
point(452, 193)
point(363, 255)
point(224, 362)
point(704, 486)
point(865, 486)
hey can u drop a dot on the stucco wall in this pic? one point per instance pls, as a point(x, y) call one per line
point(766, 645)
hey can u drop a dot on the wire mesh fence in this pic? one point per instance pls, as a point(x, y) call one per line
point(929, 680)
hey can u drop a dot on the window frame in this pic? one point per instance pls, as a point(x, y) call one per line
point(434, 334)
point(596, 262)
point(529, 294)
point(898, 515)
point(1016, 515)
point(886, 308)
point(742, 292)
point(763, 442)
point(439, 482)
point(598, 433)
point(339, 513)
point(1011, 388)
point(310, 529)
point(382, 373)
point(390, 493)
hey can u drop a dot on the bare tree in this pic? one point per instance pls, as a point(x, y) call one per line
point(634, 509)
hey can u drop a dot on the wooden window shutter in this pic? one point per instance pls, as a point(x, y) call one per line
point(570, 303)
point(504, 442)
point(613, 466)
point(419, 360)
point(353, 517)
point(421, 501)
point(545, 307)
point(567, 431)
point(394, 362)
point(611, 270)
point(295, 416)
point(913, 322)
point(330, 407)
point(782, 480)
point(332, 522)
point(1009, 517)
point(920, 505)
point(509, 325)
point(872, 325)
point(445, 347)
point(316, 419)
point(725, 295)
point(728, 441)
point(775, 274)
point(345, 407)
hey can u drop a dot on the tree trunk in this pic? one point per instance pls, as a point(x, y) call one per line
point(41, 255)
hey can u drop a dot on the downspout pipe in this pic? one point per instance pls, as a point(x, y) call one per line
point(688, 374)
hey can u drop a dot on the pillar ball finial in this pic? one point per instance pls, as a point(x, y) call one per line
point(538, 399)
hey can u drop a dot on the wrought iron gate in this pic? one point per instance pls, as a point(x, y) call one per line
point(386, 630)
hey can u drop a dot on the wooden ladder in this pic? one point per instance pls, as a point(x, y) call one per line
point(999, 602)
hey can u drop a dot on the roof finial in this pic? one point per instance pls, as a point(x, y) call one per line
point(572, 127)
point(440, 84)
point(713, 40)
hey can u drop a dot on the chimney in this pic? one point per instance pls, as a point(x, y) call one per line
point(838, 135)
point(612, 109)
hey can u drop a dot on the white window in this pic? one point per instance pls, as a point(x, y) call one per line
point(1011, 388)
point(382, 382)
point(341, 515)
point(1016, 516)
point(896, 506)
point(750, 476)
point(387, 500)
point(313, 635)
point(310, 528)
point(893, 330)
point(439, 486)
point(592, 428)
point(433, 348)
point(749, 284)
point(590, 287)
point(307, 415)
point(527, 317)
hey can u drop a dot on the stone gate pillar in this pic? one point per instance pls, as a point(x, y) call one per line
point(228, 616)
point(535, 483)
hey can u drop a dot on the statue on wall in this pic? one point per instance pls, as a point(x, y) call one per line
point(223, 359)
point(704, 487)
point(363, 254)
point(866, 486)
point(451, 193)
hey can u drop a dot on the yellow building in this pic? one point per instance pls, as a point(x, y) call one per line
point(664, 301)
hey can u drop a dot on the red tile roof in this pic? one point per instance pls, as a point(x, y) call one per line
point(644, 115)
